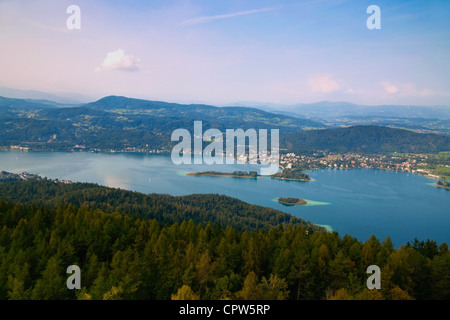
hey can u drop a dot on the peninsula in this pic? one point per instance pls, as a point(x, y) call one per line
point(286, 174)
point(443, 184)
point(24, 176)
point(235, 174)
point(291, 174)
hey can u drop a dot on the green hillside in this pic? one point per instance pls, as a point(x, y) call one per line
point(120, 123)
point(365, 139)
point(202, 209)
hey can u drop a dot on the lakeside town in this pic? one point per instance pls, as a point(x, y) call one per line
point(435, 166)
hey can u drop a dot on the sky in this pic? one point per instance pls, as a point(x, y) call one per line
point(226, 52)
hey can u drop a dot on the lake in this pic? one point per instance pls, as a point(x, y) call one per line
point(358, 202)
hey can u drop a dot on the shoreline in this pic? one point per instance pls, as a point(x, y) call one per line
point(434, 177)
point(165, 153)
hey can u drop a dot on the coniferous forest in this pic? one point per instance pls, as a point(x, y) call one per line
point(134, 246)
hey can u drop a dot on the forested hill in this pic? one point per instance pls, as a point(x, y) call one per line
point(365, 139)
point(124, 257)
point(202, 209)
point(120, 123)
point(125, 124)
point(219, 116)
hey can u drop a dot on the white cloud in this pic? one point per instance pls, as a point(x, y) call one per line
point(389, 88)
point(119, 60)
point(409, 90)
point(428, 92)
point(323, 83)
point(200, 20)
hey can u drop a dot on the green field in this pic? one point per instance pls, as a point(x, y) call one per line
point(443, 172)
point(438, 163)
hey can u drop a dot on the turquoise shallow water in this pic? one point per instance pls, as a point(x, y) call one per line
point(355, 202)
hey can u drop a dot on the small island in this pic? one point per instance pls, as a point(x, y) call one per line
point(443, 184)
point(292, 201)
point(291, 174)
point(235, 174)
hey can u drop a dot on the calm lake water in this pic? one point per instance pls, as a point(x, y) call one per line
point(356, 202)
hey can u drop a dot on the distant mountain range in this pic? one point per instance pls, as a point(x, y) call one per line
point(327, 110)
point(323, 110)
point(60, 97)
point(229, 116)
point(121, 123)
point(426, 119)
point(28, 104)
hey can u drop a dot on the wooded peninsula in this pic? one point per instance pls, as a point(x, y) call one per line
point(285, 174)
point(291, 174)
point(235, 174)
point(443, 184)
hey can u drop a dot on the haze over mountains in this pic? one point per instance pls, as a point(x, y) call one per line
point(325, 110)
point(330, 110)
point(121, 123)
point(60, 97)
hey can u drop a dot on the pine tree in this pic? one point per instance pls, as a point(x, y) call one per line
point(275, 288)
point(52, 285)
point(185, 293)
point(251, 289)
